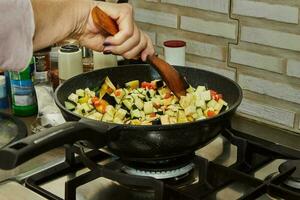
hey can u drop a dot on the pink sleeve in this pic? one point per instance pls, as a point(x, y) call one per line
point(16, 34)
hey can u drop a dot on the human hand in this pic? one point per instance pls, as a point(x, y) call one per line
point(129, 42)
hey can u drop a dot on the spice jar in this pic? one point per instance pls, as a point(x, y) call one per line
point(41, 65)
point(174, 52)
point(87, 60)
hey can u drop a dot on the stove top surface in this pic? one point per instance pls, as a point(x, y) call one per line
point(212, 165)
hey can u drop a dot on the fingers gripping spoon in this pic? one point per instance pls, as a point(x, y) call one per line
point(174, 80)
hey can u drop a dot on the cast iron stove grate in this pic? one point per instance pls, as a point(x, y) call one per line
point(211, 177)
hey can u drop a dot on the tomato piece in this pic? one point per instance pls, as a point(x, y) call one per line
point(152, 114)
point(217, 97)
point(147, 85)
point(96, 103)
point(94, 99)
point(117, 93)
point(213, 92)
point(210, 113)
point(101, 106)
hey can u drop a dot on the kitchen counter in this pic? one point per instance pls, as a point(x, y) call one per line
point(54, 156)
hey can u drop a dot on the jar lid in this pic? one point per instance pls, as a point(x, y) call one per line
point(2, 80)
point(174, 43)
point(69, 48)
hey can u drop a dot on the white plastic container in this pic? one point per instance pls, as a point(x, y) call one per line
point(174, 52)
point(102, 61)
point(69, 62)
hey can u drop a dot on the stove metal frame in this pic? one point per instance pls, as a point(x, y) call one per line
point(252, 154)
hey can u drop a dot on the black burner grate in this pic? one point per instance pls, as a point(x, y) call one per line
point(211, 177)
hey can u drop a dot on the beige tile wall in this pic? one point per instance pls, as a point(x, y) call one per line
point(254, 42)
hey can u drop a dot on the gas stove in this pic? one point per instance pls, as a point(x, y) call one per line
point(245, 161)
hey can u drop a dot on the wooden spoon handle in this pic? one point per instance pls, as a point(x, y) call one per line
point(104, 22)
point(169, 74)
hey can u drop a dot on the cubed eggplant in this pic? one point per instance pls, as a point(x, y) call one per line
point(111, 100)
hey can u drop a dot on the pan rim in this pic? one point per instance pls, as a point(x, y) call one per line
point(159, 127)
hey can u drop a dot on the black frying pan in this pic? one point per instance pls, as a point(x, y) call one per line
point(129, 142)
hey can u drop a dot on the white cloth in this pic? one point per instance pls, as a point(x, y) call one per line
point(16, 34)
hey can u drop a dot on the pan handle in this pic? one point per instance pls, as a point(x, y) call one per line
point(22, 150)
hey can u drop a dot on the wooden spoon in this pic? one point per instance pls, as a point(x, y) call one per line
point(174, 80)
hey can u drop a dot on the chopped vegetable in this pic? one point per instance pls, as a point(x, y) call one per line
point(70, 105)
point(148, 103)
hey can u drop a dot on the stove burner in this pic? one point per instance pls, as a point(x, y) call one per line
point(160, 174)
point(294, 180)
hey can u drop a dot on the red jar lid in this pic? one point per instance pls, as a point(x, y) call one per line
point(174, 43)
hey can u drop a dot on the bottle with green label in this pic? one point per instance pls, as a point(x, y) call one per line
point(23, 96)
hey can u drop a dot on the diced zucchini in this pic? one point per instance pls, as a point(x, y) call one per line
point(201, 118)
point(185, 101)
point(199, 112)
point(139, 103)
point(171, 113)
point(73, 97)
point(135, 122)
point(218, 108)
point(205, 95)
point(85, 107)
point(148, 107)
point(110, 110)
point(89, 92)
point(195, 115)
point(70, 105)
point(211, 103)
point(78, 112)
point(181, 118)
point(117, 120)
point(200, 89)
point(107, 118)
point(120, 113)
point(133, 84)
point(221, 101)
point(80, 92)
point(156, 100)
point(200, 103)
point(163, 91)
point(135, 114)
point(164, 119)
point(173, 107)
point(151, 93)
point(128, 104)
point(190, 110)
point(173, 120)
point(95, 116)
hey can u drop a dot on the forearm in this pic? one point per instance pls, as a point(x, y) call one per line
point(56, 20)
